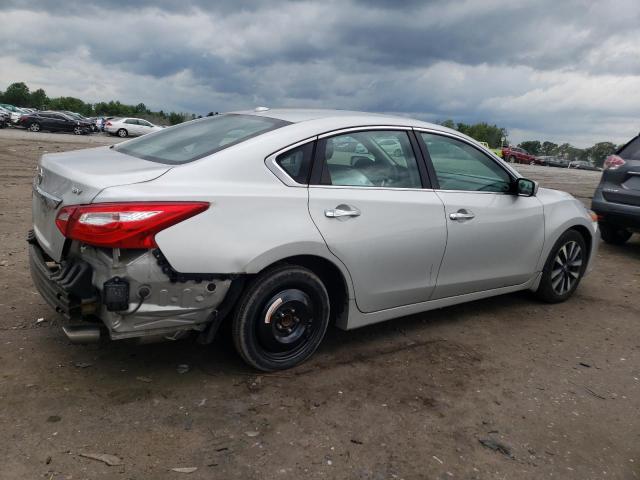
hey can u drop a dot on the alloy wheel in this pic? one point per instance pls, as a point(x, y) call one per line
point(34, 127)
point(77, 130)
point(566, 268)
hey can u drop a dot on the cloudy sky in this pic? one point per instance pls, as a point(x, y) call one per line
point(565, 70)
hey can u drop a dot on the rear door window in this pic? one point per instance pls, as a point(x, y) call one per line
point(375, 158)
point(198, 138)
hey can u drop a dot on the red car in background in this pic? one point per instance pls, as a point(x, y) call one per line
point(518, 155)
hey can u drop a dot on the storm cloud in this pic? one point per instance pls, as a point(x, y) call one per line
point(560, 71)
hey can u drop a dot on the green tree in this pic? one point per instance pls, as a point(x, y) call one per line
point(71, 104)
point(446, 123)
point(483, 132)
point(175, 118)
point(17, 94)
point(531, 146)
point(600, 151)
point(549, 148)
point(38, 99)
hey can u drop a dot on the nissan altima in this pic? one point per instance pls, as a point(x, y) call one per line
point(283, 222)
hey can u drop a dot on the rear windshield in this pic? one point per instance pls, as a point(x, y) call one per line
point(631, 151)
point(196, 139)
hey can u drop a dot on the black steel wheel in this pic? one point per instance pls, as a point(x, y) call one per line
point(281, 318)
point(564, 268)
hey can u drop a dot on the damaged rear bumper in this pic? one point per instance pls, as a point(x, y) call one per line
point(158, 303)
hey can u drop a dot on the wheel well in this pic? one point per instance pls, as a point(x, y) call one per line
point(331, 277)
point(586, 234)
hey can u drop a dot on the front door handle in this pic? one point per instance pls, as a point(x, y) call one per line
point(342, 211)
point(462, 215)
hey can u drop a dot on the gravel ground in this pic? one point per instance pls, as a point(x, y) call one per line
point(500, 388)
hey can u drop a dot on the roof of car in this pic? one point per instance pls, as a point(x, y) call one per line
point(298, 115)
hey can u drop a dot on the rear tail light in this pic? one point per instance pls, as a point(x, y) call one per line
point(123, 225)
point(613, 162)
point(108, 124)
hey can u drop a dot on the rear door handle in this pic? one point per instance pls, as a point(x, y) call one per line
point(342, 211)
point(462, 215)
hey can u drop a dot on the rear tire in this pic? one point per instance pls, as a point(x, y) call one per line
point(281, 318)
point(614, 235)
point(564, 268)
point(122, 133)
point(512, 159)
point(34, 127)
point(77, 130)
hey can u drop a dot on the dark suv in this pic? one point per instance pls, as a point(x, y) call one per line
point(54, 122)
point(617, 198)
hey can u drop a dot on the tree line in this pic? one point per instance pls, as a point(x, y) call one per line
point(19, 95)
point(497, 137)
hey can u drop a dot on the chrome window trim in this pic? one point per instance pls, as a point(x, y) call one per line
point(278, 171)
point(365, 187)
point(363, 128)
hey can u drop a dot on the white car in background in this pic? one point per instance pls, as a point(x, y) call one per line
point(130, 127)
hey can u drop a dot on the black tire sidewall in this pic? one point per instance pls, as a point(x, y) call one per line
point(545, 290)
point(126, 134)
point(252, 303)
point(614, 235)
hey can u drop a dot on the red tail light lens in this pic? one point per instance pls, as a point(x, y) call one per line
point(108, 124)
point(613, 161)
point(123, 225)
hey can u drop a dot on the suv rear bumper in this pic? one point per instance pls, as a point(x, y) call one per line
point(619, 214)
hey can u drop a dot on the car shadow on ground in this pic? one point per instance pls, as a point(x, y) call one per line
point(134, 361)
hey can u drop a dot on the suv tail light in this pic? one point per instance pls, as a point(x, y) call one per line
point(613, 162)
point(123, 225)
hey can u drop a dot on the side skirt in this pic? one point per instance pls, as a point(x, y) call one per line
point(357, 319)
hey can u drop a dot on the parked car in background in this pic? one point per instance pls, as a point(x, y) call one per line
point(583, 165)
point(5, 118)
point(257, 219)
point(553, 161)
point(82, 118)
point(519, 155)
point(617, 197)
point(53, 122)
point(130, 127)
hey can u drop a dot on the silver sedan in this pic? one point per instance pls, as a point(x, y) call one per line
point(284, 221)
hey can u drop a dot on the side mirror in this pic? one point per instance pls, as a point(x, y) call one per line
point(526, 187)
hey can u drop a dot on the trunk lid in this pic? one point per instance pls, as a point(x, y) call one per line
point(76, 177)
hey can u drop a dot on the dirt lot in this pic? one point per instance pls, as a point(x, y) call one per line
point(558, 386)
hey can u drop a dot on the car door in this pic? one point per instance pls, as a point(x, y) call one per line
point(132, 127)
point(495, 237)
point(145, 127)
point(376, 216)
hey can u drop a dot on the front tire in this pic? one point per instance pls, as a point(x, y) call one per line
point(281, 318)
point(564, 268)
point(512, 159)
point(122, 133)
point(614, 235)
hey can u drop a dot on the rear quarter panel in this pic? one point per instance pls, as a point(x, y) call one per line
point(254, 219)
